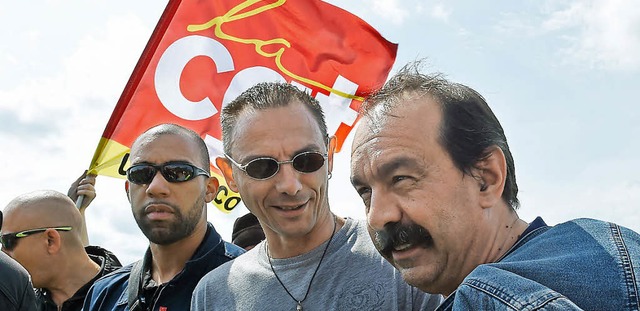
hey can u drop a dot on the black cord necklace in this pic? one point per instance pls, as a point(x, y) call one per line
point(299, 302)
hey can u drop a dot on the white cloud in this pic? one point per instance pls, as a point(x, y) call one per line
point(95, 71)
point(607, 33)
point(599, 34)
point(102, 64)
point(440, 12)
point(52, 123)
point(391, 10)
point(397, 12)
point(515, 24)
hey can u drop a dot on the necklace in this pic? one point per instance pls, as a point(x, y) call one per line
point(299, 302)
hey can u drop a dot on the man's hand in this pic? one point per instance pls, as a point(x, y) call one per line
point(83, 186)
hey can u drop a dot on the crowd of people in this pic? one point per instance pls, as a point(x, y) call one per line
point(437, 179)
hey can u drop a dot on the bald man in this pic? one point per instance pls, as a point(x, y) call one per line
point(42, 230)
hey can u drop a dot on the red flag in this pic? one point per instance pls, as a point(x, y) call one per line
point(203, 54)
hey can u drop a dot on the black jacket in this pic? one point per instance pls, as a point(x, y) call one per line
point(108, 263)
point(16, 291)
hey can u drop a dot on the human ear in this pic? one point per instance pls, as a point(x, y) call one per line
point(212, 188)
point(491, 173)
point(54, 241)
point(227, 171)
point(126, 189)
point(331, 148)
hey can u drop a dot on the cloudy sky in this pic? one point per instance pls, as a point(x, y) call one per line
point(562, 76)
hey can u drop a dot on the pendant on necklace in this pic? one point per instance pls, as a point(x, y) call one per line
point(299, 306)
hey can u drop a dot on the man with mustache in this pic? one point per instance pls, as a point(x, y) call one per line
point(169, 186)
point(432, 165)
point(279, 157)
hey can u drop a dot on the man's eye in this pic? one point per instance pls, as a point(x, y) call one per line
point(365, 195)
point(397, 179)
point(363, 191)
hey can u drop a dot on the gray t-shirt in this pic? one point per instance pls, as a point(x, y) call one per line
point(352, 276)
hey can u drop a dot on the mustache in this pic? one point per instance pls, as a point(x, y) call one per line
point(146, 208)
point(396, 234)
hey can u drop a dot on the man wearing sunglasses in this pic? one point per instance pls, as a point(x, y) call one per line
point(168, 185)
point(43, 232)
point(279, 157)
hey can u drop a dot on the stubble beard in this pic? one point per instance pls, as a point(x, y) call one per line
point(169, 232)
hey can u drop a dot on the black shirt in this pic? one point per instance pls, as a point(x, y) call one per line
point(107, 261)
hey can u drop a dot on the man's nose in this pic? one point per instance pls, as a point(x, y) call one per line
point(288, 180)
point(383, 209)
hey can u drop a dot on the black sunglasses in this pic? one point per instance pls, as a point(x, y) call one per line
point(173, 172)
point(10, 240)
point(265, 167)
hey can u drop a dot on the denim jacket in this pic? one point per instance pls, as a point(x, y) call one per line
point(583, 264)
point(110, 292)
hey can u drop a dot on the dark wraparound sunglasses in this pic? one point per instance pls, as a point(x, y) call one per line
point(265, 167)
point(10, 240)
point(174, 172)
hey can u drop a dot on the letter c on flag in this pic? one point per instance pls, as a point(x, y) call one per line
point(169, 70)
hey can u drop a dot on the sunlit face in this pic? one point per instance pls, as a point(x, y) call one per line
point(168, 212)
point(422, 210)
point(290, 203)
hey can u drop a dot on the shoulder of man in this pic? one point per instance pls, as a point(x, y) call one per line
point(214, 246)
point(116, 277)
point(231, 256)
point(603, 231)
point(219, 284)
point(236, 256)
point(99, 251)
point(109, 291)
point(491, 288)
point(591, 244)
point(106, 259)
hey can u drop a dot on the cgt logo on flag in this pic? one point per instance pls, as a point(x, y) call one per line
point(203, 54)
